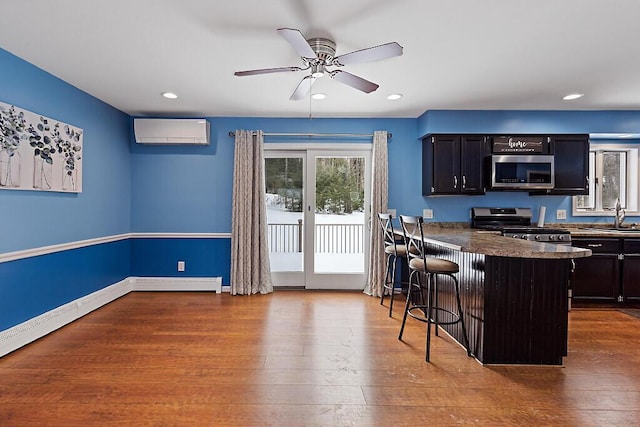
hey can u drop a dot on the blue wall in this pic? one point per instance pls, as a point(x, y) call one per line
point(443, 121)
point(188, 189)
point(31, 219)
point(158, 257)
point(32, 286)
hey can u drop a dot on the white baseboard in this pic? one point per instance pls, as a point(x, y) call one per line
point(22, 334)
point(177, 284)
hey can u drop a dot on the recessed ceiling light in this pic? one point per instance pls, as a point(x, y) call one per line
point(169, 95)
point(573, 96)
point(318, 96)
point(394, 96)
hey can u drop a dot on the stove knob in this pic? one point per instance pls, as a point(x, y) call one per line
point(553, 237)
point(538, 237)
point(524, 237)
point(561, 237)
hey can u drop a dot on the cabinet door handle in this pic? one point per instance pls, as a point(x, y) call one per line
point(455, 181)
point(464, 181)
point(595, 245)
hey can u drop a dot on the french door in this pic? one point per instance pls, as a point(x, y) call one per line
point(318, 211)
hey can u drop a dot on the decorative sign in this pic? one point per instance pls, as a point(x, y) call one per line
point(518, 144)
point(38, 153)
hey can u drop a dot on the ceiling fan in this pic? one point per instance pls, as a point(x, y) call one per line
point(319, 53)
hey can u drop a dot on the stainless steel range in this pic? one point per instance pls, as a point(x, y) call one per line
point(516, 223)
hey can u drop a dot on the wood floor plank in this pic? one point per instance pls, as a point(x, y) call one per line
point(299, 358)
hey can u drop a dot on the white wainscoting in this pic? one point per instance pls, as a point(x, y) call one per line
point(22, 334)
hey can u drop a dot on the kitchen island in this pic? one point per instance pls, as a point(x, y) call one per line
point(514, 294)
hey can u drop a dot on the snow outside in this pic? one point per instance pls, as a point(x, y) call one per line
point(339, 248)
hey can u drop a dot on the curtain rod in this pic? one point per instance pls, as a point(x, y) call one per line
point(320, 135)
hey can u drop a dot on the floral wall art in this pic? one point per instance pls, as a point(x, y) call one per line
point(38, 153)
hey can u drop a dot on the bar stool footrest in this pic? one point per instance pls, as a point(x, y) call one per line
point(422, 317)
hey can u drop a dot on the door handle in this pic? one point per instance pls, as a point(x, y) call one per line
point(464, 182)
point(455, 181)
point(595, 245)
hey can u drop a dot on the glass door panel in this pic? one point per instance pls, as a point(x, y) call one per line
point(284, 177)
point(340, 199)
point(317, 217)
point(339, 215)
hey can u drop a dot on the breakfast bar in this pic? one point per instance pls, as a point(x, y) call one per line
point(514, 294)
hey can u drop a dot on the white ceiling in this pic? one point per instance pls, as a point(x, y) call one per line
point(458, 54)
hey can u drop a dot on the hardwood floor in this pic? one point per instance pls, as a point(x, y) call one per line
point(297, 358)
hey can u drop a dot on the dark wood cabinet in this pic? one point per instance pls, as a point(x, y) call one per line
point(453, 164)
point(611, 274)
point(458, 163)
point(631, 270)
point(598, 276)
point(571, 157)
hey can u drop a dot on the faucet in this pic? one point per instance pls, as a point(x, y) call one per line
point(620, 214)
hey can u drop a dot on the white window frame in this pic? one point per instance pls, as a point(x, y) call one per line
point(630, 186)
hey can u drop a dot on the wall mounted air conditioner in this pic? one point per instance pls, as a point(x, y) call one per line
point(171, 131)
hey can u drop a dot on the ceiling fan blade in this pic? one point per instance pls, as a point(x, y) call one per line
point(354, 81)
point(375, 53)
point(303, 88)
point(266, 71)
point(297, 40)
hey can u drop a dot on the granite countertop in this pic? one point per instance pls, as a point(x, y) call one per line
point(602, 231)
point(491, 243)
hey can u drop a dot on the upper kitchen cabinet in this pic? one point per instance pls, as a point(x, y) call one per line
point(571, 154)
point(571, 157)
point(453, 164)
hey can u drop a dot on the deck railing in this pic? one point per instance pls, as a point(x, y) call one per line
point(329, 238)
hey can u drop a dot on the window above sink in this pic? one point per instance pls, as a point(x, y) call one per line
point(613, 174)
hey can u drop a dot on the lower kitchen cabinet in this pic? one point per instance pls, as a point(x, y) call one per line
point(611, 274)
point(597, 278)
point(631, 271)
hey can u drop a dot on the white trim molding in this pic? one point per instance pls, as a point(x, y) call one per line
point(180, 235)
point(28, 331)
point(45, 250)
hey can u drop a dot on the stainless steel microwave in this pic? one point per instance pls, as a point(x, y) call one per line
point(522, 172)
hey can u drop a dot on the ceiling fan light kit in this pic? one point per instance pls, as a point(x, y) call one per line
point(319, 53)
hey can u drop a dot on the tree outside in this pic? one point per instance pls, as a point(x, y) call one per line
point(284, 177)
point(339, 183)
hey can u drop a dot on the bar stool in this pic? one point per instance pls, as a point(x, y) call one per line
point(392, 251)
point(420, 264)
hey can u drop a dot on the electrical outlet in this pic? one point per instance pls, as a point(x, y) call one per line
point(181, 265)
point(427, 213)
point(561, 214)
point(391, 212)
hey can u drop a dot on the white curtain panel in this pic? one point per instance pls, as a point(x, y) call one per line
point(379, 200)
point(250, 269)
